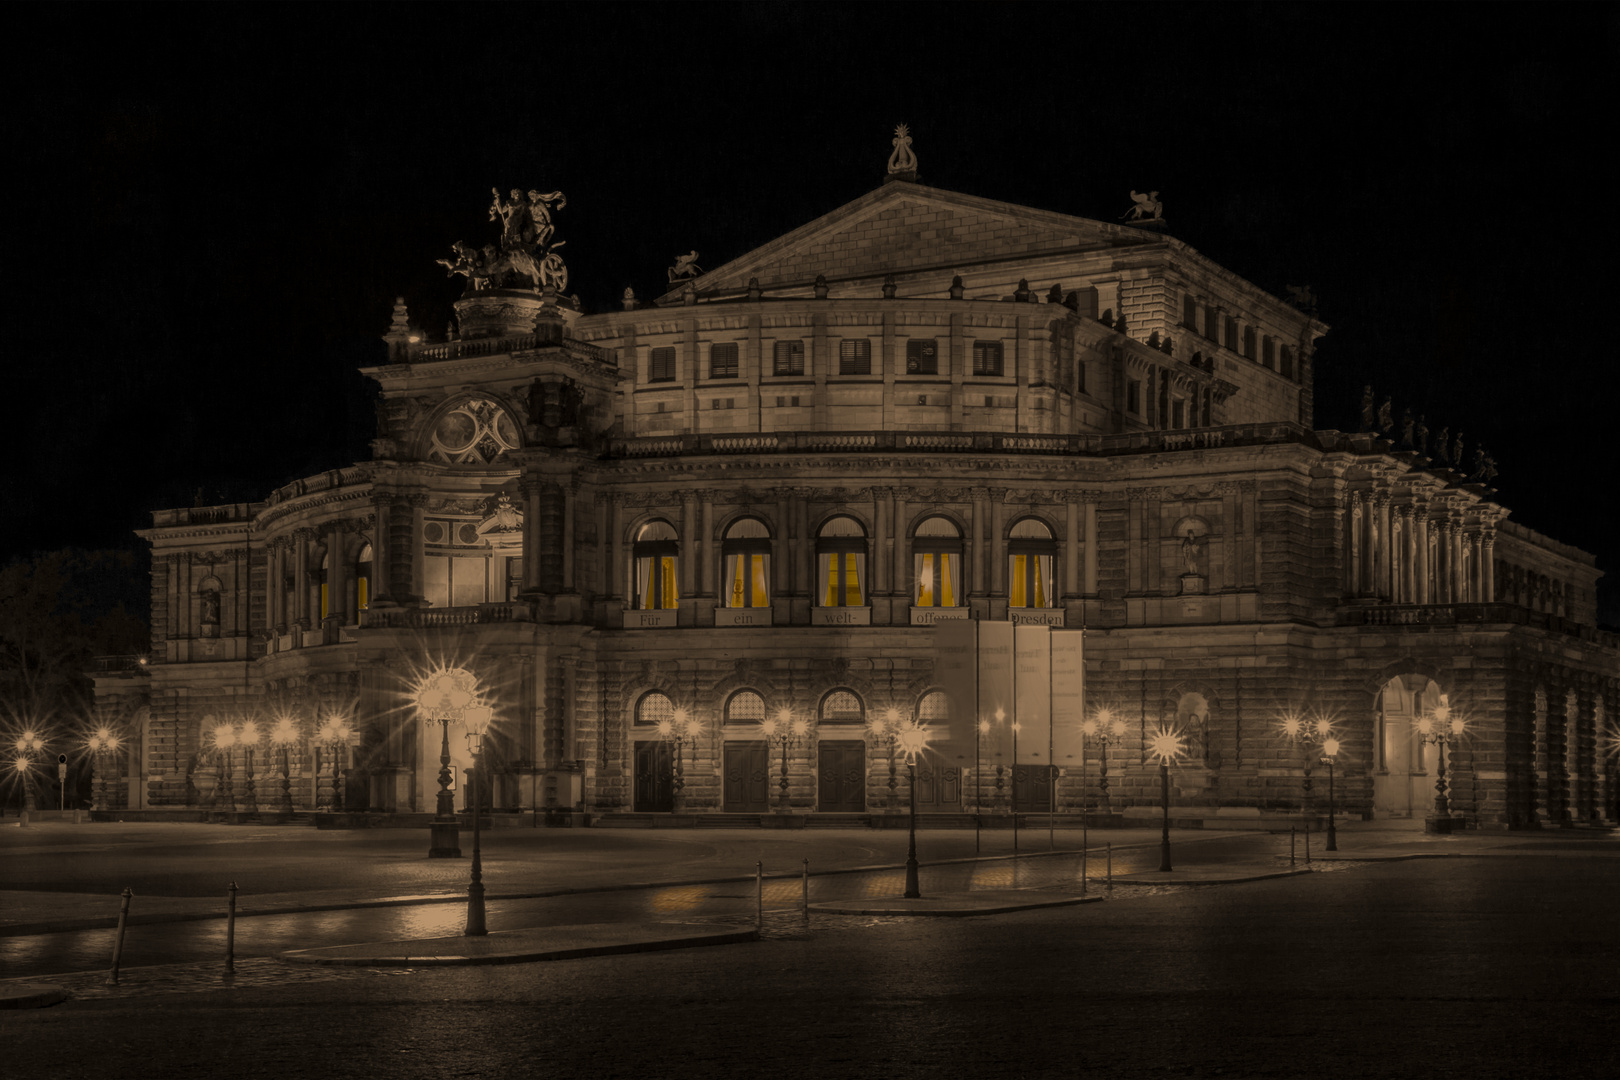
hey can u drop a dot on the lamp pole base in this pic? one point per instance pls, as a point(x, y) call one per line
point(444, 840)
point(1442, 825)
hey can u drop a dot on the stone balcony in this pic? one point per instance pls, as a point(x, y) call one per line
point(1464, 615)
point(510, 611)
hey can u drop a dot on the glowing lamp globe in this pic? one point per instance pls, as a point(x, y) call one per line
point(224, 736)
point(1330, 747)
point(285, 733)
point(913, 740)
point(249, 735)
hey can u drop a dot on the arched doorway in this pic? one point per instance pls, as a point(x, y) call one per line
point(1403, 767)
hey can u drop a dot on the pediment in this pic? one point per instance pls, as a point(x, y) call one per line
point(907, 228)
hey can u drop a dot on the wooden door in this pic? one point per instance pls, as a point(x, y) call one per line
point(1033, 787)
point(841, 777)
point(654, 778)
point(747, 776)
point(939, 787)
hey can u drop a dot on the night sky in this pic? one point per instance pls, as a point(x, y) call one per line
point(216, 204)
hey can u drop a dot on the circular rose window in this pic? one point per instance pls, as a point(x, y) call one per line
point(475, 432)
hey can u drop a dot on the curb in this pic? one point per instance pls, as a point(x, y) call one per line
point(528, 956)
point(1144, 879)
point(834, 908)
point(32, 996)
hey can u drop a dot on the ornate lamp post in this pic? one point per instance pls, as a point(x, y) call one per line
point(1166, 746)
point(1298, 733)
point(444, 697)
point(1001, 770)
point(103, 743)
point(787, 732)
point(248, 740)
point(282, 736)
point(27, 745)
point(683, 728)
point(224, 739)
point(1103, 725)
point(886, 726)
point(913, 740)
point(1441, 727)
point(476, 718)
point(335, 734)
point(1330, 751)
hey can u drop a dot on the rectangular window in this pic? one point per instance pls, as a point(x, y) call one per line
point(1231, 334)
point(748, 578)
point(514, 578)
point(1288, 361)
point(922, 356)
point(1268, 352)
point(843, 578)
point(987, 358)
point(1080, 377)
point(1030, 581)
point(1178, 414)
point(655, 582)
point(939, 578)
point(723, 360)
point(436, 580)
point(1248, 342)
point(1133, 396)
point(1189, 312)
point(789, 358)
point(854, 357)
point(1212, 326)
point(661, 365)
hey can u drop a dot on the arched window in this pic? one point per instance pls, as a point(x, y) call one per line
point(934, 708)
point(324, 575)
point(842, 707)
point(655, 551)
point(746, 555)
point(1031, 552)
point(936, 559)
point(841, 563)
point(745, 707)
point(362, 579)
point(475, 432)
point(653, 709)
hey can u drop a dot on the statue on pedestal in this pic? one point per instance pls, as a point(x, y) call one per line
point(1440, 445)
point(1147, 208)
point(526, 257)
point(1386, 416)
point(685, 267)
point(1369, 410)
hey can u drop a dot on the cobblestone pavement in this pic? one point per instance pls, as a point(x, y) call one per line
point(251, 973)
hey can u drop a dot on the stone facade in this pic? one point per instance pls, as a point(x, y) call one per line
point(762, 490)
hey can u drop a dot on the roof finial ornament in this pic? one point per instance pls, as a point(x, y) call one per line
point(902, 163)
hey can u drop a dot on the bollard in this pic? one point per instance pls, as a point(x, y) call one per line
point(1110, 866)
point(807, 890)
point(118, 941)
point(1084, 872)
point(759, 896)
point(1290, 845)
point(1307, 843)
point(230, 931)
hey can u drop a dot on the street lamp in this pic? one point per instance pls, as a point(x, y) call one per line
point(102, 744)
point(335, 734)
point(476, 718)
point(887, 726)
point(443, 698)
point(786, 731)
point(681, 729)
point(1166, 746)
point(27, 745)
point(1330, 751)
point(1103, 725)
point(913, 740)
point(283, 735)
point(248, 739)
point(1441, 727)
point(224, 739)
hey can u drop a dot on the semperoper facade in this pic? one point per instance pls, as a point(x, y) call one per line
point(645, 531)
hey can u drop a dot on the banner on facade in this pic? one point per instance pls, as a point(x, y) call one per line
point(1068, 696)
point(956, 642)
point(996, 704)
point(1033, 695)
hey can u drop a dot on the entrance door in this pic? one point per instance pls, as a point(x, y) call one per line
point(841, 777)
point(1033, 786)
point(655, 778)
point(747, 778)
point(939, 788)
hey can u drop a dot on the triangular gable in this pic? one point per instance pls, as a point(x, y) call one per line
point(903, 227)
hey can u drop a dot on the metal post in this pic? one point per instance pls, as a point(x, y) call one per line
point(1307, 842)
point(444, 831)
point(759, 896)
point(1291, 845)
point(475, 889)
point(118, 942)
point(1110, 866)
point(1333, 834)
point(806, 900)
point(912, 891)
point(1442, 806)
point(1164, 839)
point(230, 930)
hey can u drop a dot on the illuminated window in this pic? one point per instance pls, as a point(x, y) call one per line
point(934, 708)
point(661, 365)
point(746, 555)
point(936, 559)
point(922, 356)
point(655, 550)
point(362, 579)
point(654, 708)
point(854, 357)
point(1031, 552)
point(841, 563)
point(723, 360)
point(745, 707)
point(842, 707)
point(987, 358)
point(789, 358)
point(475, 432)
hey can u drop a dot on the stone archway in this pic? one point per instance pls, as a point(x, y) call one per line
point(1403, 765)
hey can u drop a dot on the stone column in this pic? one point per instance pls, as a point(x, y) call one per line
point(1459, 586)
point(782, 564)
point(1369, 544)
point(275, 602)
point(981, 513)
point(615, 569)
point(1488, 564)
point(1385, 547)
point(804, 578)
point(418, 555)
point(570, 493)
point(1071, 546)
point(1397, 555)
point(689, 526)
point(1480, 571)
point(337, 575)
point(1090, 583)
point(301, 538)
point(1357, 546)
point(902, 514)
point(1420, 519)
point(531, 487)
point(880, 542)
point(998, 541)
point(706, 545)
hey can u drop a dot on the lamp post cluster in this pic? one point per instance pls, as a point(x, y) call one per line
point(1103, 726)
point(1317, 745)
point(886, 726)
point(1442, 727)
point(787, 731)
point(682, 728)
point(334, 734)
point(912, 740)
point(103, 743)
point(1166, 746)
point(27, 745)
point(451, 696)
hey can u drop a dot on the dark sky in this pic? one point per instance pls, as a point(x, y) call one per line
point(216, 204)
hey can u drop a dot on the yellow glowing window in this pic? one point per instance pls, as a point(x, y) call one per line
point(939, 580)
point(746, 555)
point(1031, 550)
point(655, 558)
point(841, 563)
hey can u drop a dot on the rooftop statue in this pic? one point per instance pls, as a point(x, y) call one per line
point(1147, 208)
point(1302, 297)
point(1386, 416)
point(1441, 450)
point(526, 258)
point(902, 160)
point(685, 267)
point(1369, 408)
